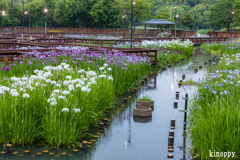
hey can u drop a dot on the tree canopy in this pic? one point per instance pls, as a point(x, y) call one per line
point(214, 14)
point(187, 20)
point(220, 15)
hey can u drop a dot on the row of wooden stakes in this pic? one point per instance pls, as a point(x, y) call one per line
point(205, 63)
point(172, 125)
point(135, 90)
point(171, 138)
point(85, 144)
point(170, 65)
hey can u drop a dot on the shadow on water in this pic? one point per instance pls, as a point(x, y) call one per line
point(132, 138)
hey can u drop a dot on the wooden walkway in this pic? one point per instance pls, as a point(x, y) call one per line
point(151, 53)
point(48, 43)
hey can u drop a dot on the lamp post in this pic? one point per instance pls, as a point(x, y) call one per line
point(175, 17)
point(12, 21)
point(232, 12)
point(45, 11)
point(29, 18)
point(176, 25)
point(23, 14)
point(26, 18)
point(133, 16)
point(124, 17)
point(3, 13)
point(131, 22)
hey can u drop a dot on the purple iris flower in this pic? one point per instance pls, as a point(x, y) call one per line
point(6, 69)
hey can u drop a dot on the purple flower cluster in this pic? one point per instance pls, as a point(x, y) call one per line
point(5, 69)
point(166, 50)
point(76, 55)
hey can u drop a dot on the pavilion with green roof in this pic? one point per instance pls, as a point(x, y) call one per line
point(158, 22)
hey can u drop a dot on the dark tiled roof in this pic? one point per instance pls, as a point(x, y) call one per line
point(159, 21)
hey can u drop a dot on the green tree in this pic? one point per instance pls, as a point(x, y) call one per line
point(71, 13)
point(142, 10)
point(200, 14)
point(3, 7)
point(17, 14)
point(105, 13)
point(236, 16)
point(220, 15)
point(164, 15)
point(156, 6)
point(188, 21)
point(51, 6)
point(87, 13)
point(202, 21)
point(37, 14)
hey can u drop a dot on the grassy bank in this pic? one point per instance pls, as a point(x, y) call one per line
point(215, 113)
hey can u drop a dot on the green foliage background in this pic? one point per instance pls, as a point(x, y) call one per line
point(207, 14)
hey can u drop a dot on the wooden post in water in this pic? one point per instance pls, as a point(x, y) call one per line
point(9, 148)
point(84, 145)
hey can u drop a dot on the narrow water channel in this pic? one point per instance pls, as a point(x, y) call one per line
point(131, 138)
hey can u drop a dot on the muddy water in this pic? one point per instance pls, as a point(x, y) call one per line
point(131, 138)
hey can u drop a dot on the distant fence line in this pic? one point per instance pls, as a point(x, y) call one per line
point(233, 34)
point(95, 31)
point(77, 30)
point(115, 31)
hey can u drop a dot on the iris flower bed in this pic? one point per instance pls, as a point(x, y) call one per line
point(55, 96)
point(215, 113)
point(92, 37)
point(127, 69)
point(164, 34)
point(169, 51)
point(221, 48)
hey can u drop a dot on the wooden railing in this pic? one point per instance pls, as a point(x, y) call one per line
point(6, 43)
point(151, 53)
point(233, 34)
point(93, 31)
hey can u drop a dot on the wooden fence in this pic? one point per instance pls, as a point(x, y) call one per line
point(114, 31)
point(95, 31)
point(233, 34)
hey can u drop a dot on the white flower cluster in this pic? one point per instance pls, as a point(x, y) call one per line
point(160, 43)
point(13, 92)
point(84, 82)
point(57, 94)
point(42, 78)
point(76, 110)
point(167, 43)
